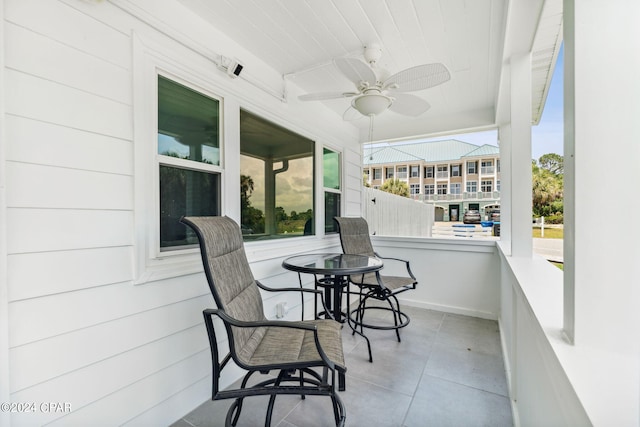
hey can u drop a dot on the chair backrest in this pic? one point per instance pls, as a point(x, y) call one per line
point(354, 236)
point(229, 276)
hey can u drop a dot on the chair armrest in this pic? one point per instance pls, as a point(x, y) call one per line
point(317, 292)
point(260, 323)
point(273, 323)
point(399, 260)
point(267, 288)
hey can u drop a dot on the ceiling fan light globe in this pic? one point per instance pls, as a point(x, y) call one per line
point(371, 104)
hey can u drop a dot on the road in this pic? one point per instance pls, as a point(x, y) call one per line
point(550, 249)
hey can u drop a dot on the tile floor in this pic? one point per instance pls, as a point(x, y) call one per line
point(447, 371)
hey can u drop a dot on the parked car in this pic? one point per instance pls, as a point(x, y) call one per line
point(471, 217)
point(495, 216)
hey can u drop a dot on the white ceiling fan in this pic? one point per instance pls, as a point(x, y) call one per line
point(376, 93)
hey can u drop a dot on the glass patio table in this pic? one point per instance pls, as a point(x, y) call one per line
point(335, 269)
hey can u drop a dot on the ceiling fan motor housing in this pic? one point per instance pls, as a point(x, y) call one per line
point(372, 52)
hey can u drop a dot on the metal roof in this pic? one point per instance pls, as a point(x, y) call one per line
point(436, 151)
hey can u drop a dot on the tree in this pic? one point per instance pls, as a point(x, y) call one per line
point(395, 186)
point(552, 162)
point(246, 188)
point(250, 217)
point(548, 191)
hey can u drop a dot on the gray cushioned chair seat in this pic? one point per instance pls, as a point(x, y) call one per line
point(280, 345)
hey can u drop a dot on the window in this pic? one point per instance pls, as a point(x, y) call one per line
point(486, 186)
point(377, 173)
point(472, 186)
point(472, 168)
point(454, 189)
point(456, 170)
point(188, 160)
point(428, 172)
point(442, 189)
point(331, 165)
point(487, 167)
point(388, 173)
point(414, 189)
point(429, 189)
point(401, 172)
point(276, 180)
point(415, 171)
point(443, 171)
point(498, 165)
point(498, 185)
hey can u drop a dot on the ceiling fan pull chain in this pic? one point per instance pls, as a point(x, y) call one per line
point(371, 116)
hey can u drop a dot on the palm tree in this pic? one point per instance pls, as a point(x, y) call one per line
point(395, 186)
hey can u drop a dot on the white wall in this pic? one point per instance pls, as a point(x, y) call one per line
point(80, 331)
point(454, 276)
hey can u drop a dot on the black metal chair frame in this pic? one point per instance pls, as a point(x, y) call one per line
point(377, 291)
point(292, 378)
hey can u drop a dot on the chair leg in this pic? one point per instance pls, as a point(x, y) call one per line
point(272, 399)
point(396, 314)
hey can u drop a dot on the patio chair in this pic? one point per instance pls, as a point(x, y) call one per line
point(304, 355)
point(355, 239)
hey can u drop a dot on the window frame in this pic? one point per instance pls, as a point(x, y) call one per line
point(326, 190)
point(474, 165)
point(429, 172)
point(185, 164)
point(150, 59)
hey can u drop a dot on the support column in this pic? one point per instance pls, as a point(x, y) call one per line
point(506, 199)
point(520, 129)
point(602, 106)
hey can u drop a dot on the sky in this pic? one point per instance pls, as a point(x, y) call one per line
point(547, 136)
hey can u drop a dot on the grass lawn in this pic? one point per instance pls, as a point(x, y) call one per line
point(557, 264)
point(550, 233)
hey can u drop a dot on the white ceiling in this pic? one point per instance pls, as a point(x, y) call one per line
point(299, 39)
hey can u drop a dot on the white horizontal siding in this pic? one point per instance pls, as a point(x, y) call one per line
point(70, 351)
point(131, 382)
point(64, 271)
point(49, 59)
point(72, 27)
point(37, 230)
point(40, 318)
point(51, 102)
point(58, 188)
point(38, 142)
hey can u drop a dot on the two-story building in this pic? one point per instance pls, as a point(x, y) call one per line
point(454, 175)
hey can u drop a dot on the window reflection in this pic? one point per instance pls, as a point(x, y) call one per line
point(277, 180)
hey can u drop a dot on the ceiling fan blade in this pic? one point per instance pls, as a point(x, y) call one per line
point(409, 105)
point(351, 114)
point(355, 70)
point(418, 78)
point(326, 95)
